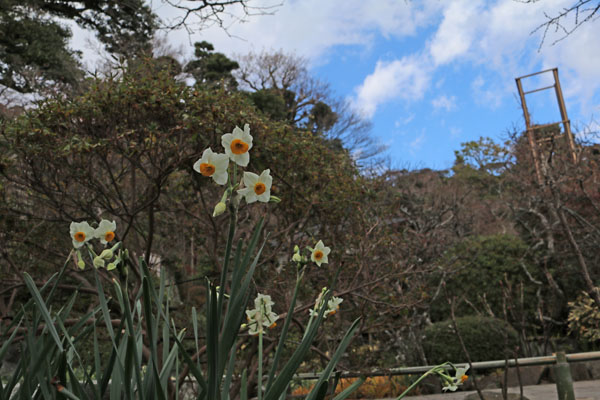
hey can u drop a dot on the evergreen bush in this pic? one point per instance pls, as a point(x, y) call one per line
point(484, 339)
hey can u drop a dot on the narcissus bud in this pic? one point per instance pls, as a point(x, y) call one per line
point(98, 262)
point(219, 209)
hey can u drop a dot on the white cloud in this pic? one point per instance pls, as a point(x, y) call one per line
point(407, 79)
point(455, 34)
point(455, 132)
point(312, 27)
point(417, 142)
point(444, 102)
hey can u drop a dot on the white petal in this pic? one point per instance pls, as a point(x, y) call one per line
point(264, 197)
point(250, 179)
point(250, 196)
point(221, 161)
point(240, 159)
point(226, 140)
point(266, 178)
point(237, 133)
point(220, 178)
point(207, 155)
point(197, 165)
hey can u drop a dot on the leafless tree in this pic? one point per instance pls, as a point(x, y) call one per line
point(568, 19)
point(200, 14)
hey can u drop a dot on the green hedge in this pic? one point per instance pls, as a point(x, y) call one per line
point(483, 337)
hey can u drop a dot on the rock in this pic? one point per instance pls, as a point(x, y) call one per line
point(530, 375)
point(594, 369)
point(579, 372)
point(431, 385)
point(495, 396)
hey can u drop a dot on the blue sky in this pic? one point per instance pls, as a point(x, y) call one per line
point(428, 74)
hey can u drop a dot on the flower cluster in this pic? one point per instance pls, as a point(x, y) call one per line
point(82, 233)
point(318, 254)
point(237, 146)
point(452, 383)
point(262, 315)
point(333, 305)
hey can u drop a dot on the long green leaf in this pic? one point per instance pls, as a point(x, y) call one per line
point(294, 362)
point(104, 306)
point(283, 336)
point(335, 359)
point(212, 343)
point(244, 387)
point(43, 310)
point(350, 389)
point(192, 366)
point(224, 270)
point(229, 375)
point(124, 300)
point(235, 313)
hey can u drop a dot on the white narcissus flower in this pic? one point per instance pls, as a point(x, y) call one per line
point(214, 165)
point(257, 187)
point(106, 231)
point(460, 376)
point(262, 316)
point(319, 253)
point(333, 305)
point(81, 232)
point(237, 144)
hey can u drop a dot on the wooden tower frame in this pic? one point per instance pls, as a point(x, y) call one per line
point(533, 142)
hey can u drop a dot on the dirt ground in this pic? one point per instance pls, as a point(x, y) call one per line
point(584, 390)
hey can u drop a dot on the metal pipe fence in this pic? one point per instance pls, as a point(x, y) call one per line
point(480, 365)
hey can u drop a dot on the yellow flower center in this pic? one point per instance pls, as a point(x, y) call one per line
point(463, 378)
point(318, 255)
point(238, 146)
point(259, 188)
point(109, 236)
point(207, 169)
point(79, 236)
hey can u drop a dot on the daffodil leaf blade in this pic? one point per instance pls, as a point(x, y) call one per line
point(350, 389)
point(41, 305)
point(335, 359)
point(281, 382)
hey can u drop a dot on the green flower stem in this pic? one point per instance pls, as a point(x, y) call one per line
point(260, 361)
point(435, 370)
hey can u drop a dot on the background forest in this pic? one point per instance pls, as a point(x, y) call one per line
point(484, 242)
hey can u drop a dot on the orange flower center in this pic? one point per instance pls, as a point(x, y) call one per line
point(259, 188)
point(273, 325)
point(318, 255)
point(79, 236)
point(238, 146)
point(109, 236)
point(207, 169)
point(463, 378)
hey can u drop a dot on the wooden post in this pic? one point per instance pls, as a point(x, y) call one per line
point(564, 381)
point(563, 115)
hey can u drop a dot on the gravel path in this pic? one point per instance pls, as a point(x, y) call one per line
point(584, 390)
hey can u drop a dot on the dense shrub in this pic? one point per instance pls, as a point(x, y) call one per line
point(584, 319)
point(484, 338)
point(478, 269)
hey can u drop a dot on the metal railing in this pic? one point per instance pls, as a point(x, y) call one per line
point(480, 365)
point(560, 362)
